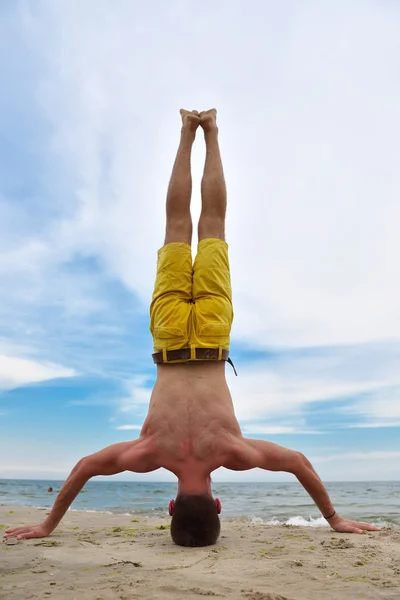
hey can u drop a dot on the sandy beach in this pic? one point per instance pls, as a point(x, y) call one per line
point(99, 556)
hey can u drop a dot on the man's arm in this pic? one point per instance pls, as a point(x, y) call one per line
point(273, 457)
point(109, 461)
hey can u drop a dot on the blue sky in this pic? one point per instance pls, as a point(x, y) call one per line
point(308, 109)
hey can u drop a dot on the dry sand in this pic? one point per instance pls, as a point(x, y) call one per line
point(98, 556)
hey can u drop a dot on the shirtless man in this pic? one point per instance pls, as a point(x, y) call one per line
point(191, 428)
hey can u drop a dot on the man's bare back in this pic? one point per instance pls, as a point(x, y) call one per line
point(191, 428)
point(191, 415)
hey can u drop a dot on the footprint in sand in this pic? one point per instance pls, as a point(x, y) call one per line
point(340, 544)
point(262, 596)
point(200, 592)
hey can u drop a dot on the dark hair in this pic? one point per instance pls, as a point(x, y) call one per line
point(195, 521)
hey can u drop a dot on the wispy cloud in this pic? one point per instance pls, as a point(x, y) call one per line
point(278, 430)
point(138, 392)
point(356, 456)
point(359, 383)
point(375, 424)
point(15, 371)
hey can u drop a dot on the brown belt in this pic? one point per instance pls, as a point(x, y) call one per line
point(200, 353)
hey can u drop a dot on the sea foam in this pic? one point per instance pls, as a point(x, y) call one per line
point(296, 521)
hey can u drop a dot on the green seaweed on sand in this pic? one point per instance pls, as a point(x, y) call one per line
point(48, 543)
point(335, 574)
point(361, 578)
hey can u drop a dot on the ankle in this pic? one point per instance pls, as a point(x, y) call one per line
point(211, 131)
point(187, 132)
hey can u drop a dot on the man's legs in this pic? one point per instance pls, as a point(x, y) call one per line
point(212, 292)
point(213, 189)
point(179, 221)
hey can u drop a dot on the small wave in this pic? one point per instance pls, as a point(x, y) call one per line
point(311, 522)
point(295, 521)
point(90, 510)
point(383, 523)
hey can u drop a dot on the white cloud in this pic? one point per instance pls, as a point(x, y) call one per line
point(277, 430)
point(34, 469)
point(15, 371)
point(128, 427)
point(375, 424)
point(355, 456)
point(261, 394)
point(138, 394)
point(276, 392)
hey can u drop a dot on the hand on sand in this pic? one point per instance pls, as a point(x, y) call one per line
point(28, 532)
point(208, 119)
point(190, 119)
point(345, 526)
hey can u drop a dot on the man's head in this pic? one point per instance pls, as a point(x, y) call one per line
point(195, 520)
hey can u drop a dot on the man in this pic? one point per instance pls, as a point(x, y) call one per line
point(191, 428)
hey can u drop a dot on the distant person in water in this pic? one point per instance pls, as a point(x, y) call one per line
point(191, 428)
point(50, 490)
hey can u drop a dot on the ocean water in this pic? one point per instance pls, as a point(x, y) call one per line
point(264, 502)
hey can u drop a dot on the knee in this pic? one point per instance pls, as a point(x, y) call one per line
point(211, 227)
point(178, 229)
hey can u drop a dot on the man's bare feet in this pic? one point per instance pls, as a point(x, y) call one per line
point(208, 120)
point(190, 119)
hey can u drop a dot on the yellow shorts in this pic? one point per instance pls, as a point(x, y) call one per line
point(192, 304)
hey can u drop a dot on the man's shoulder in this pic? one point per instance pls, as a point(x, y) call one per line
point(241, 454)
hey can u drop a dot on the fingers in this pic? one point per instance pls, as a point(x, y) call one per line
point(356, 530)
point(16, 530)
point(349, 529)
point(368, 527)
point(26, 536)
point(365, 526)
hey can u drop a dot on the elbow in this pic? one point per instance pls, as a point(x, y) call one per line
point(298, 462)
point(81, 463)
point(85, 466)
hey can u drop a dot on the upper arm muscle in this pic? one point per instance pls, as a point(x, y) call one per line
point(114, 459)
point(270, 456)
